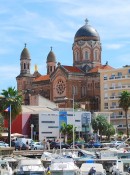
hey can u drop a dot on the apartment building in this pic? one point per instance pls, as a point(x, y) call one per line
point(112, 83)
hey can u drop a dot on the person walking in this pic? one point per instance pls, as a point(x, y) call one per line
point(44, 144)
point(27, 145)
point(48, 145)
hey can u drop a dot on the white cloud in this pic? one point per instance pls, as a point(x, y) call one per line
point(113, 46)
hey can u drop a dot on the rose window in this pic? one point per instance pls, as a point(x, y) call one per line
point(60, 87)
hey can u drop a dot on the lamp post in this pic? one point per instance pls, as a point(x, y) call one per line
point(32, 126)
point(73, 122)
point(73, 118)
point(10, 123)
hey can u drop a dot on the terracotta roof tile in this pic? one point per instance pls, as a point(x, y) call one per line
point(103, 67)
point(72, 69)
point(42, 78)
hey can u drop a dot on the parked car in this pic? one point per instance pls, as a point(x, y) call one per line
point(21, 146)
point(118, 143)
point(57, 145)
point(77, 144)
point(37, 146)
point(94, 144)
point(4, 144)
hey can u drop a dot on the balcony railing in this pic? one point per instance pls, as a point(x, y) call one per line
point(120, 87)
point(114, 107)
point(113, 77)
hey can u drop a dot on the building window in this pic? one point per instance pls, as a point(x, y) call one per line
point(76, 56)
point(105, 87)
point(129, 71)
point(119, 74)
point(24, 66)
point(83, 91)
point(77, 121)
point(86, 55)
point(105, 105)
point(53, 126)
point(60, 87)
point(46, 132)
point(48, 121)
point(74, 90)
point(105, 77)
point(106, 96)
point(96, 55)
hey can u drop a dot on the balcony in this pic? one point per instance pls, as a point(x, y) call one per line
point(114, 77)
point(105, 107)
point(114, 107)
point(117, 117)
point(114, 97)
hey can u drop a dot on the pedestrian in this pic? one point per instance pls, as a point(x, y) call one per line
point(27, 145)
point(44, 144)
point(92, 171)
point(48, 144)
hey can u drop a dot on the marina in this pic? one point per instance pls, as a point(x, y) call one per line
point(66, 161)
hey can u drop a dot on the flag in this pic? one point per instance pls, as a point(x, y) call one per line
point(7, 109)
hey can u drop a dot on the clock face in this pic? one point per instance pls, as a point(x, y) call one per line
point(60, 86)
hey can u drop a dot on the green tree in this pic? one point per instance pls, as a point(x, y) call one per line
point(109, 131)
point(66, 130)
point(99, 124)
point(13, 99)
point(124, 103)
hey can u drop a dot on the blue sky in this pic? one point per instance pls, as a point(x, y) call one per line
point(45, 23)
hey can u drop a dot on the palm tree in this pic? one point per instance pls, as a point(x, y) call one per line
point(124, 103)
point(66, 130)
point(10, 98)
point(99, 124)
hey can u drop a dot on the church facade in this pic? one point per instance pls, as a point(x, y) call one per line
point(63, 83)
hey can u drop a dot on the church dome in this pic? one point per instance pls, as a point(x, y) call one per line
point(87, 32)
point(51, 56)
point(25, 53)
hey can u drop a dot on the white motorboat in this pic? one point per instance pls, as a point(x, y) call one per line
point(29, 167)
point(85, 169)
point(5, 169)
point(63, 166)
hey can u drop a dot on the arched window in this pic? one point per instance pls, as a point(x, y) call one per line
point(83, 91)
point(28, 65)
point(74, 90)
point(24, 66)
point(76, 56)
point(86, 55)
point(96, 55)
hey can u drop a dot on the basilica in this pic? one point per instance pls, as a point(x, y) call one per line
point(62, 83)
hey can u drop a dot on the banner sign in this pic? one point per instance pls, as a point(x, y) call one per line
point(62, 118)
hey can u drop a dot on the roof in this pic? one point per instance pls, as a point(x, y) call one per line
point(43, 78)
point(25, 54)
point(72, 69)
point(51, 57)
point(35, 109)
point(86, 33)
point(103, 67)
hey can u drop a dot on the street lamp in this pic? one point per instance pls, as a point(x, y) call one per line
point(32, 126)
point(73, 118)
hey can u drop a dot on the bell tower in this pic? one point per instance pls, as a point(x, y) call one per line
point(25, 61)
point(51, 62)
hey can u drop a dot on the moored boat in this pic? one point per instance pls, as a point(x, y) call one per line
point(63, 166)
point(5, 169)
point(29, 167)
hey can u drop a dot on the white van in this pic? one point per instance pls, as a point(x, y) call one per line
point(24, 140)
